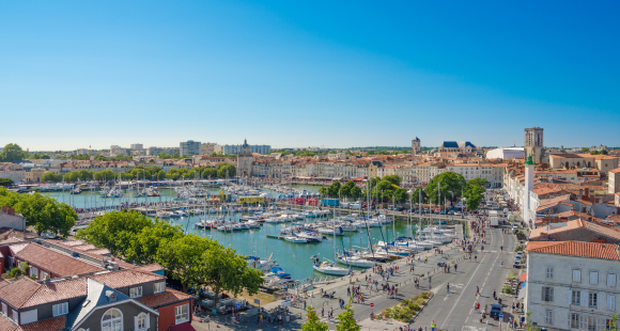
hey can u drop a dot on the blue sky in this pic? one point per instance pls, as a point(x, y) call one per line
point(295, 74)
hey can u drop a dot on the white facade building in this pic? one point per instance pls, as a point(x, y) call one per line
point(572, 285)
point(506, 153)
point(236, 149)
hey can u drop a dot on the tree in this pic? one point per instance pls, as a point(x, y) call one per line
point(451, 183)
point(613, 325)
point(144, 249)
point(334, 189)
point(183, 258)
point(475, 192)
point(223, 270)
point(12, 152)
point(209, 173)
point(46, 214)
point(415, 196)
point(6, 182)
point(346, 320)
point(356, 192)
point(370, 152)
point(104, 175)
point(585, 149)
point(115, 231)
point(314, 322)
point(394, 179)
point(345, 190)
point(226, 170)
point(529, 326)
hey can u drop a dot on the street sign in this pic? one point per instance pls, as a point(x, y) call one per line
point(501, 315)
point(238, 306)
point(257, 301)
point(372, 305)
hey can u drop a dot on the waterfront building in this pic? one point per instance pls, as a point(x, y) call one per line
point(235, 149)
point(534, 144)
point(572, 284)
point(189, 147)
point(136, 146)
point(168, 150)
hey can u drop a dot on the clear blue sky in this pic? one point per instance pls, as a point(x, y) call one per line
point(290, 73)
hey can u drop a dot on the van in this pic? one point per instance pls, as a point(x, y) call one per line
point(345, 205)
point(356, 205)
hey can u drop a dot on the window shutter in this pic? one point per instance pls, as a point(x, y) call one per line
point(584, 298)
point(583, 322)
point(611, 279)
point(135, 323)
point(570, 297)
point(569, 320)
point(600, 323)
point(148, 321)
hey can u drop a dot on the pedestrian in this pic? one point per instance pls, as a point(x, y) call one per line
point(455, 267)
point(322, 311)
point(448, 288)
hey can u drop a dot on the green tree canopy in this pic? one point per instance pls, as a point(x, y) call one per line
point(209, 173)
point(182, 258)
point(6, 182)
point(314, 322)
point(223, 270)
point(346, 320)
point(12, 152)
point(46, 214)
point(450, 182)
point(226, 169)
point(115, 231)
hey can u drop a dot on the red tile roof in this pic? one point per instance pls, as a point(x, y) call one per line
point(125, 278)
point(164, 298)
point(56, 291)
point(50, 324)
point(149, 267)
point(6, 324)
point(576, 248)
point(57, 263)
point(17, 293)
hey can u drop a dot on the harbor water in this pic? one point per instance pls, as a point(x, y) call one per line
point(294, 258)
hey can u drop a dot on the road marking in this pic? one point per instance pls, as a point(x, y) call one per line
point(459, 298)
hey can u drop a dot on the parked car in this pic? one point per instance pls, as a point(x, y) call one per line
point(496, 309)
point(457, 213)
point(517, 264)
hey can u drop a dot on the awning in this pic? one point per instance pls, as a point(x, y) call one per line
point(182, 327)
point(523, 277)
point(522, 293)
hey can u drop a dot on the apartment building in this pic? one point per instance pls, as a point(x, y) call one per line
point(572, 285)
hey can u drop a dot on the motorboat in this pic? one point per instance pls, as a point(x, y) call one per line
point(328, 268)
point(354, 261)
point(296, 240)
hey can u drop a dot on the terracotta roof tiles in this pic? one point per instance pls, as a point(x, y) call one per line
point(164, 298)
point(51, 324)
point(17, 293)
point(56, 262)
point(576, 248)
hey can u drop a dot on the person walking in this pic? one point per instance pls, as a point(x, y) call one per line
point(448, 288)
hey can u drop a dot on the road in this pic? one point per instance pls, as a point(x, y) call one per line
point(455, 310)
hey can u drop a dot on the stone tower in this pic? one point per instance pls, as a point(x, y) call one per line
point(244, 161)
point(416, 148)
point(534, 145)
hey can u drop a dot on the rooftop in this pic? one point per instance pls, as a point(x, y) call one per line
point(575, 248)
point(53, 261)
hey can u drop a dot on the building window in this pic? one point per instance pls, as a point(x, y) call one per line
point(4, 309)
point(547, 294)
point(576, 275)
point(593, 277)
point(592, 323)
point(15, 316)
point(142, 322)
point(611, 302)
point(574, 321)
point(593, 300)
point(181, 314)
point(29, 316)
point(576, 298)
point(549, 272)
point(112, 320)
point(34, 272)
point(60, 309)
point(611, 280)
point(549, 317)
point(159, 287)
point(135, 292)
point(44, 275)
